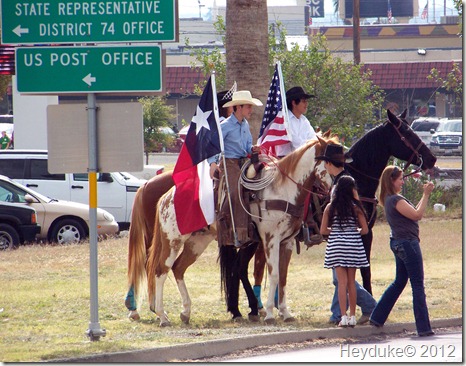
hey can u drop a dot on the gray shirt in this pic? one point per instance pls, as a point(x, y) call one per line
point(401, 226)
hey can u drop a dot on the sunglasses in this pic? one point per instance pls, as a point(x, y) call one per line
point(395, 172)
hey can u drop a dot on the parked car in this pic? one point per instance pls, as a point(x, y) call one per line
point(448, 139)
point(61, 221)
point(423, 126)
point(18, 225)
point(115, 191)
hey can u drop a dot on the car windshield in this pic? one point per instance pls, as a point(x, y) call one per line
point(424, 126)
point(11, 192)
point(452, 126)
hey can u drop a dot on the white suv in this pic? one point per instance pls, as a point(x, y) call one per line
point(448, 139)
point(115, 191)
point(424, 126)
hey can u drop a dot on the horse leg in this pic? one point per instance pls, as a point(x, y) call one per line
point(159, 283)
point(286, 249)
point(245, 256)
point(130, 303)
point(366, 271)
point(259, 267)
point(191, 251)
point(272, 264)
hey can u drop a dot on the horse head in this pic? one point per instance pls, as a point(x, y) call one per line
point(409, 146)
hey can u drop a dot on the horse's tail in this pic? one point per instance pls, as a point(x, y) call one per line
point(137, 254)
point(227, 257)
point(154, 255)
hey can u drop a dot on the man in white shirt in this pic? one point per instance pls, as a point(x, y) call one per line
point(299, 127)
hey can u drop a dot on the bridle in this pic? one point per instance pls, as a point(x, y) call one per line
point(415, 151)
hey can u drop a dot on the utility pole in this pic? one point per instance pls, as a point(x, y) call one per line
point(356, 33)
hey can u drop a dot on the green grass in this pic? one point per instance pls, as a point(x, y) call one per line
point(44, 294)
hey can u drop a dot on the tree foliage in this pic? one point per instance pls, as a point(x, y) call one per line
point(156, 114)
point(452, 82)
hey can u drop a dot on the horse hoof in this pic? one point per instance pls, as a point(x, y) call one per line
point(270, 321)
point(238, 319)
point(184, 318)
point(254, 318)
point(165, 324)
point(290, 319)
point(134, 315)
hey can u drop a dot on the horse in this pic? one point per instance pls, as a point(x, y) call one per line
point(370, 155)
point(293, 178)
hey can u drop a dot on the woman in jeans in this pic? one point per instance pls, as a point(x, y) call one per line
point(403, 219)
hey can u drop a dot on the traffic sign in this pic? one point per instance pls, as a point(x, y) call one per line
point(59, 22)
point(89, 69)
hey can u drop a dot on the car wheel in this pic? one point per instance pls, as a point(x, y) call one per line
point(9, 237)
point(67, 231)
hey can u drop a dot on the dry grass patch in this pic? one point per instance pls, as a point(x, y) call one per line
point(44, 294)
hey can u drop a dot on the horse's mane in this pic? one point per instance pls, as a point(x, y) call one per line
point(287, 165)
point(370, 144)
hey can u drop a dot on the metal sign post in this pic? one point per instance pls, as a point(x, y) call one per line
point(94, 332)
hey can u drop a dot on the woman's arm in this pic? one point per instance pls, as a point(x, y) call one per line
point(416, 213)
point(324, 229)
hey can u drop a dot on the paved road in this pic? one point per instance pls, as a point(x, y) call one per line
point(446, 347)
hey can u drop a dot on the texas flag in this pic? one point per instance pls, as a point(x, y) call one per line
point(194, 194)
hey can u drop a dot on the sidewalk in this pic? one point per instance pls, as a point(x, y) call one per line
point(225, 346)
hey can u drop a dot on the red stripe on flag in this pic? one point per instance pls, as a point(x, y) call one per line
point(186, 197)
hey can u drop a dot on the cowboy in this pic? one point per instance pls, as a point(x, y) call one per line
point(335, 159)
point(237, 140)
point(299, 127)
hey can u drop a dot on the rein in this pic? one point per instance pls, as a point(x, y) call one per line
point(409, 146)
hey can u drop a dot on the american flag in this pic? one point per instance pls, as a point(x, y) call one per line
point(425, 12)
point(273, 128)
point(389, 12)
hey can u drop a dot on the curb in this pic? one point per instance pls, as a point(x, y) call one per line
point(230, 345)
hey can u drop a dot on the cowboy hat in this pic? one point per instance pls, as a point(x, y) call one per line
point(334, 154)
point(243, 97)
point(297, 93)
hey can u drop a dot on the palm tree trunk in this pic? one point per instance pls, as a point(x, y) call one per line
point(247, 52)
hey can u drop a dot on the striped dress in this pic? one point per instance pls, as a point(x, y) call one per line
point(344, 246)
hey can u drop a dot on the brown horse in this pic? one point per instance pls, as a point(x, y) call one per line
point(295, 176)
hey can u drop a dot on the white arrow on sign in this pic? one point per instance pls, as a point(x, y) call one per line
point(19, 31)
point(89, 79)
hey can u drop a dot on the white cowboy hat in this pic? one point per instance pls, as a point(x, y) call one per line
point(243, 97)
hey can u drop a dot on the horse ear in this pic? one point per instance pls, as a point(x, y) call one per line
point(321, 140)
point(327, 133)
point(393, 119)
point(403, 115)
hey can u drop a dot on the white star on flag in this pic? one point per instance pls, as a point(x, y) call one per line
point(200, 119)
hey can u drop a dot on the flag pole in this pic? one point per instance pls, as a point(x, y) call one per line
point(286, 119)
point(222, 157)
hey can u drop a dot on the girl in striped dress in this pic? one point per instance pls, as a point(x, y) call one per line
point(344, 221)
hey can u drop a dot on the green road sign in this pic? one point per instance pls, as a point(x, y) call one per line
point(92, 69)
point(66, 21)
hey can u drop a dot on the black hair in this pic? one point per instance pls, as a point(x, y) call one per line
point(289, 105)
point(344, 204)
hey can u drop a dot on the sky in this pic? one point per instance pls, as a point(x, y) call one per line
point(190, 8)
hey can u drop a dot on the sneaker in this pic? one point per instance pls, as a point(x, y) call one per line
point(363, 319)
point(352, 321)
point(374, 324)
point(343, 322)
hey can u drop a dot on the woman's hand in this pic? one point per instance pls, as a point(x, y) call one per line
point(428, 188)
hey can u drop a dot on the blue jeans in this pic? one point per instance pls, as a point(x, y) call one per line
point(409, 265)
point(363, 299)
